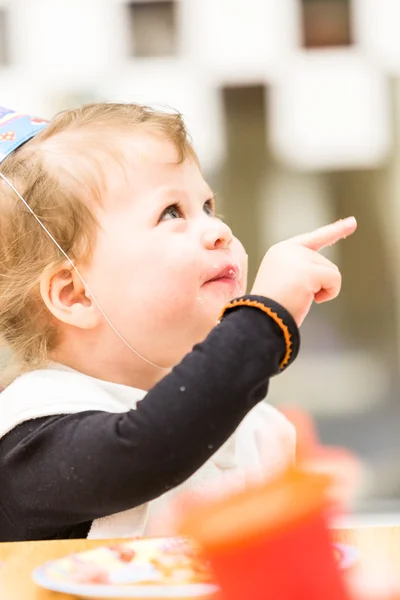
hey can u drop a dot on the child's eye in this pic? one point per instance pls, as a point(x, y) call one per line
point(209, 207)
point(174, 211)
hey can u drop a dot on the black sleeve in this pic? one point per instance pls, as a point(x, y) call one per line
point(61, 471)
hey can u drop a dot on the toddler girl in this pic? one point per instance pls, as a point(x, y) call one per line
point(142, 365)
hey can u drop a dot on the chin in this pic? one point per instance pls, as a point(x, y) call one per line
point(183, 339)
point(208, 322)
point(193, 337)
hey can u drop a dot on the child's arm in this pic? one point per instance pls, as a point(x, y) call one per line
point(72, 469)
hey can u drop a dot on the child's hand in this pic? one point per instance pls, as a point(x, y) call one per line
point(293, 273)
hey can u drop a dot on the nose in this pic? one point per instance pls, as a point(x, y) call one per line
point(217, 235)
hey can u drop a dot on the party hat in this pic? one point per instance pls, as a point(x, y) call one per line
point(16, 129)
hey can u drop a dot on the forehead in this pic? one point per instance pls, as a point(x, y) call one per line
point(151, 165)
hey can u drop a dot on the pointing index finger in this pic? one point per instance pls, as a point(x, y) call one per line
point(327, 235)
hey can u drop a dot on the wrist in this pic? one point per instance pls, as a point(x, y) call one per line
point(274, 311)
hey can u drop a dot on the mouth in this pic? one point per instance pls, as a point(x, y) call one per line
point(227, 275)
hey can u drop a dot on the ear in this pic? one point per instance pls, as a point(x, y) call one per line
point(64, 294)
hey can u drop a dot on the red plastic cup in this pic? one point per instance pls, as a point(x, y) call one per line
point(271, 542)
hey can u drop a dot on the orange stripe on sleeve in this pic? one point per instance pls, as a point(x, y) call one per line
point(268, 311)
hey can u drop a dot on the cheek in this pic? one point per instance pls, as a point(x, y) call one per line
point(241, 257)
point(155, 287)
point(168, 280)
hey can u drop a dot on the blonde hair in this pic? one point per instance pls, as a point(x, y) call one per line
point(61, 174)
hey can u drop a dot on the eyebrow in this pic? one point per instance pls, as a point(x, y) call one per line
point(209, 195)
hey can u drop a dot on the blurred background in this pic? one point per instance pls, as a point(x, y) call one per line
point(294, 109)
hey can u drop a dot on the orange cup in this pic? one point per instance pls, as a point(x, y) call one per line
point(271, 542)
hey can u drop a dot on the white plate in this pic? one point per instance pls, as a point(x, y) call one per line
point(137, 592)
point(123, 577)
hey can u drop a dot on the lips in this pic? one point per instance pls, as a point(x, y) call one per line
point(227, 273)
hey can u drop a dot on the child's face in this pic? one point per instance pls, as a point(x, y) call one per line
point(158, 251)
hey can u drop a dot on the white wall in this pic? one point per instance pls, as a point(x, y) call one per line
point(63, 52)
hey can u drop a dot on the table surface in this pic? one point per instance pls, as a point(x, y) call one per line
point(19, 559)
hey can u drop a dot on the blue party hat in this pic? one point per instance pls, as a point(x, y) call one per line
point(16, 129)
